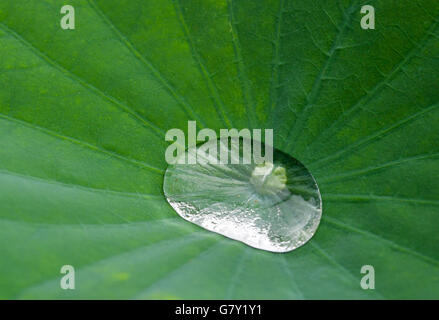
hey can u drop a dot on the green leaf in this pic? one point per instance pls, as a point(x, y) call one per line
point(83, 115)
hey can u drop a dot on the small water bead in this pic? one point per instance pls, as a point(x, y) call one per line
point(274, 206)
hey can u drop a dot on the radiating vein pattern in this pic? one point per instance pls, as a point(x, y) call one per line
point(83, 117)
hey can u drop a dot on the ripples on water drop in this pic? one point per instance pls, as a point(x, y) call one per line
point(271, 206)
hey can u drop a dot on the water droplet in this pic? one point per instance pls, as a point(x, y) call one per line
point(273, 206)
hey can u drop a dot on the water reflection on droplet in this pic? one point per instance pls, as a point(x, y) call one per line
point(274, 206)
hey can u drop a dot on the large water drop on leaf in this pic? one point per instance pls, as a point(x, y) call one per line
point(274, 206)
